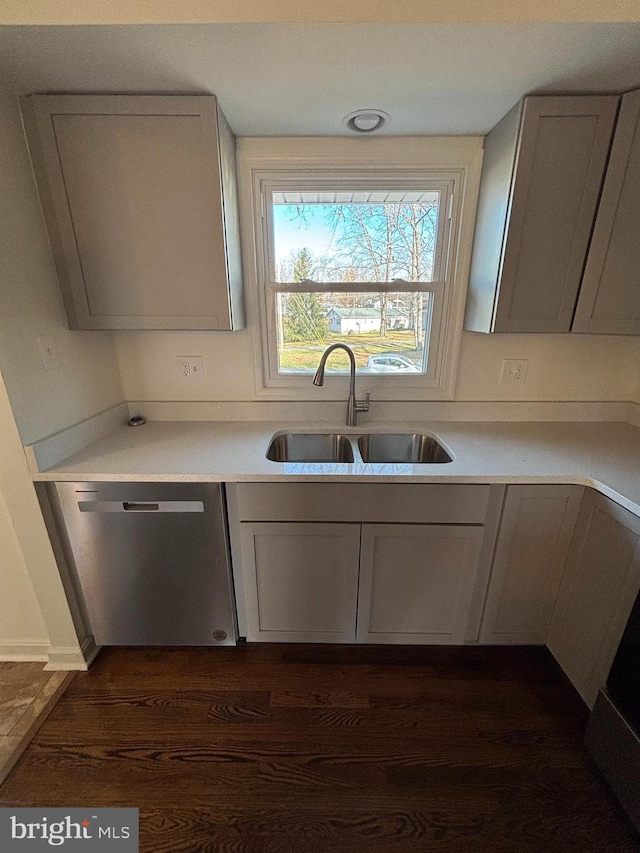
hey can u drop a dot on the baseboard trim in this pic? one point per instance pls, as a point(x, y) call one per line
point(73, 659)
point(24, 651)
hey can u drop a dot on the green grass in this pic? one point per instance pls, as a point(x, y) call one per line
point(306, 354)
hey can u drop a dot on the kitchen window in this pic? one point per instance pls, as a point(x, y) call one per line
point(365, 257)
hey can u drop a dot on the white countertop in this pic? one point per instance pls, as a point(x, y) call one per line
point(605, 456)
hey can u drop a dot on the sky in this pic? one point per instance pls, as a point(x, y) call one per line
point(314, 231)
point(290, 235)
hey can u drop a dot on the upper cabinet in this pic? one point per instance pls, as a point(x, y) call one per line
point(140, 203)
point(609, 300)
point(543, 169)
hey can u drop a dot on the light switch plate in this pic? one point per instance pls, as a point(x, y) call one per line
point(514, 371)
point(190, 367)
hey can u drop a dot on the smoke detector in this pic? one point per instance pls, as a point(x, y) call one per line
point(366, 121)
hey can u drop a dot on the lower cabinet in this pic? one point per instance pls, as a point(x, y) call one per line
point(307, 577)
point(301, 581)
point(598, 589)
point(398, 583)
point(417, 582)
point(556, 565)
point(533, 543)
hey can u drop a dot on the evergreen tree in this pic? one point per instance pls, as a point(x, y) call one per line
point(302, 260)
point(305, 319)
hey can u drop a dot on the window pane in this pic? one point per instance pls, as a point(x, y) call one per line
point(386, 331)
point(355, 236)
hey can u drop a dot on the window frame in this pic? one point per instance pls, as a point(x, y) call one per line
point(312, 181)
point(276, 164)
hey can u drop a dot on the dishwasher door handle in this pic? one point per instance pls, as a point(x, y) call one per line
point(141, 506)
point(138, 506)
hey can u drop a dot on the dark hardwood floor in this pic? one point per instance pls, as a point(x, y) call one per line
point(328, 749)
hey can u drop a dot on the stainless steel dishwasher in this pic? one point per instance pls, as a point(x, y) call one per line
point(151, 559)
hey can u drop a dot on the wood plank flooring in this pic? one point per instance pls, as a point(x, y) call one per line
point(328, 749)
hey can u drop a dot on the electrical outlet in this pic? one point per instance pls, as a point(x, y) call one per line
point(48, 351)
point(514, 371)
point(190, 367)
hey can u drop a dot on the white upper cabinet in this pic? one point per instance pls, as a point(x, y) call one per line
point(140, 203)
point(542, 174)
point(609, 300)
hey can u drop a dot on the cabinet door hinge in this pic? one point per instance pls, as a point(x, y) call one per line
point(262, 205)
point(450, 208)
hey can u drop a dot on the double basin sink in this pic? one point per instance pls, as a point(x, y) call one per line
point(413, 448)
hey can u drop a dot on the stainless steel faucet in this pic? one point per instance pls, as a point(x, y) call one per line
point(353, 406)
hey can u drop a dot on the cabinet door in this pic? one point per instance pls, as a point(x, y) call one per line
point(610, 295)
point(598, 588)
point(561, 162)
point(417, 582)
point(533, 543)
point(542, 173)
point(138, 198)
point(301, 581)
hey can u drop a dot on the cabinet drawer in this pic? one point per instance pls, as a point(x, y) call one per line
point(353, 502)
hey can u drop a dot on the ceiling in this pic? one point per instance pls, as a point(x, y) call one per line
point(302, 79)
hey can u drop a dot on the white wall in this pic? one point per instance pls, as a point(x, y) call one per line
point(33, 607)
point(561, 367)
point(149, 370)
point(22, 628)
point(28, 548)
point(87, 380)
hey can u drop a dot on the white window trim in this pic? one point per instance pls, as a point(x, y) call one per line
point(457, 159)
point(266, 182)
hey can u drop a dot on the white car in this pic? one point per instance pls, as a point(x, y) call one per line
point(391, 363)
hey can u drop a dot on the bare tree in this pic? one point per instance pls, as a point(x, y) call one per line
point(380, 242)
point(385, 242)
